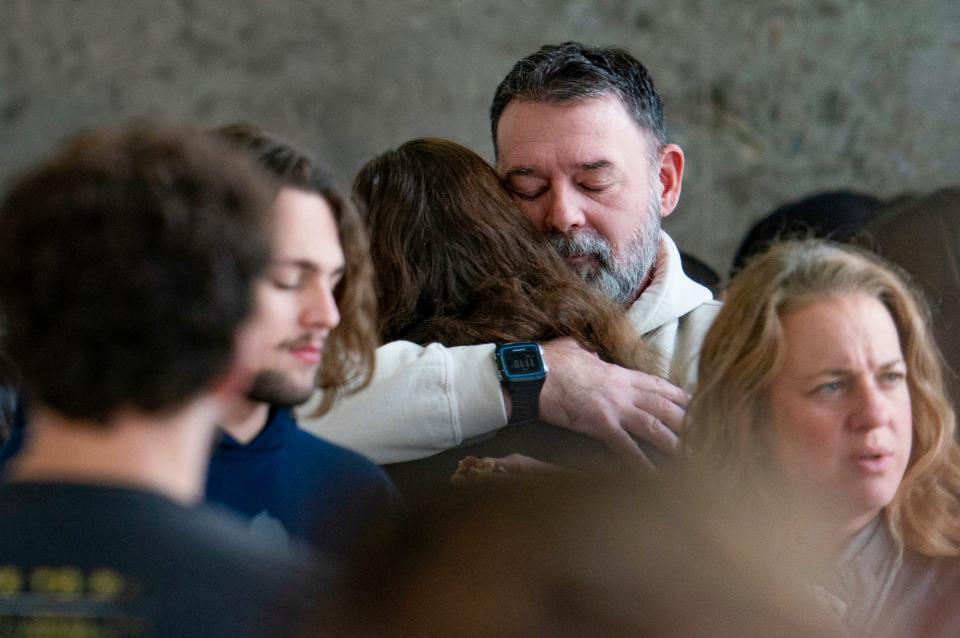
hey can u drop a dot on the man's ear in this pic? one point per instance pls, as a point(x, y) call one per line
point(671, 177)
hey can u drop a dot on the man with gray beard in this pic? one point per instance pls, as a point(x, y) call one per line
point(580, 143)
point(615, 278)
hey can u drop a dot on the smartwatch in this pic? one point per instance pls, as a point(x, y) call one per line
point(523, 371)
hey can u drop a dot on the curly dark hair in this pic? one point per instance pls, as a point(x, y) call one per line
point(348, 354)
point(457, 263)
point(575, 71)
point(126, 266)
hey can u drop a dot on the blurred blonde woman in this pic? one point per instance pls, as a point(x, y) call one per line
point(821, 393)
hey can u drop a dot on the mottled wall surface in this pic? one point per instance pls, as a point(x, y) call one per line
point(770, 99)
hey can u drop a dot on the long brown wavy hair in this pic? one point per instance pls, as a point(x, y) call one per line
point(743, 353)
point(456, 262)
point(348, 354)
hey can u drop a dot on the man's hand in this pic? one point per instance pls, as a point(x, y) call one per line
point(610, 403)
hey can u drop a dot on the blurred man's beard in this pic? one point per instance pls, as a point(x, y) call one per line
point(617, 277)
point(271, 386)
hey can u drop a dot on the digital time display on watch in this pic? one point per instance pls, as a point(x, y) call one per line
point(521, 360)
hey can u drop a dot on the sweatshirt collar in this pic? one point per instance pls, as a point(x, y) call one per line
point(670, 294)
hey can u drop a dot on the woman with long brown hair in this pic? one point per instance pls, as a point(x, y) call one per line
point(457, 263)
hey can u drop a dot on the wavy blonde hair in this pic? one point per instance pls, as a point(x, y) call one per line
point(744, 351)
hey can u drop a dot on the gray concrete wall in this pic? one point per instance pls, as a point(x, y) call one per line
point(771, 99)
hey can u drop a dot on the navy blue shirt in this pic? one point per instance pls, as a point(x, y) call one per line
point(291, 481)
point(288, 482)
point(15, 442)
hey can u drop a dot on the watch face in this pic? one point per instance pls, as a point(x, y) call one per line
point(521, 361)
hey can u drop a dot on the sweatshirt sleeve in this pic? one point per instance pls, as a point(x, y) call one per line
point(421, 401)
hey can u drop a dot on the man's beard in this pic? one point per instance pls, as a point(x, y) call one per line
point(618, 277)
point(271, 386)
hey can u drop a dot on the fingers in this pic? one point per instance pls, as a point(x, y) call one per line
point(620, 443)
point(663, 402)
point(661, 387)
point(655, 413)
point(644, 427)
point(519, 465)
point(472, 471)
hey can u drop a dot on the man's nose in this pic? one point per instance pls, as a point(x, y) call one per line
point(564, 214)
point(319, 310)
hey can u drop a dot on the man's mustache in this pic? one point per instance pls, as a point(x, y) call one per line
point(303, 341)
point(583, 244)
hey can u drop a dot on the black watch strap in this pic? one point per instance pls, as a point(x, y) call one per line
point(524, 401)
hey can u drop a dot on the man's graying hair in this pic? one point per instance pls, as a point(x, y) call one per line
point(574, 71)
